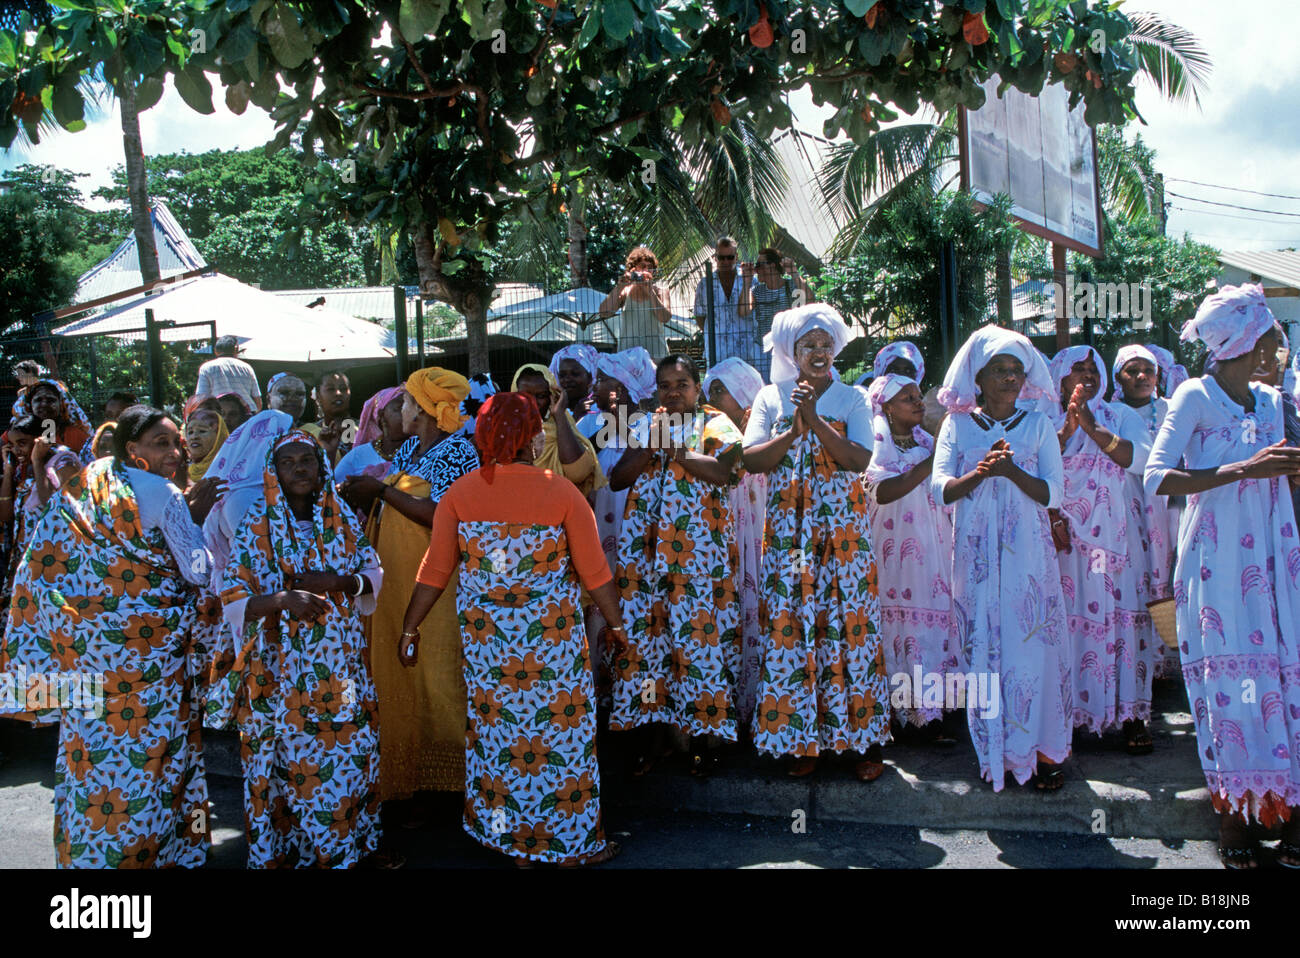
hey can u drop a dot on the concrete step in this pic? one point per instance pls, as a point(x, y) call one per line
point(1107, 792)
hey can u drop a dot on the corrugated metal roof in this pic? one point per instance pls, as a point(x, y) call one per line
point(121, 270)
point(376, 302)
point(1277, 266)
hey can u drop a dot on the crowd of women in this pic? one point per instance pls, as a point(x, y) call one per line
point(463, 593)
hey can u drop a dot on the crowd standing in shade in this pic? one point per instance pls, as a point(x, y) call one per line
point(465, 589)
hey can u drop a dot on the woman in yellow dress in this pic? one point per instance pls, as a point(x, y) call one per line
point(559, 447)
point(421, 710)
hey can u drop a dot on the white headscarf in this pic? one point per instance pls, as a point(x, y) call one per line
point(742, 380)
point(1060, 367)
point(959, 391)
point(893, 351)
point(1129, 353)
point(634, 368)
point(789, 325)
point(580, 353)
point(1231, 321)
point(886, 459)
point(241, 463)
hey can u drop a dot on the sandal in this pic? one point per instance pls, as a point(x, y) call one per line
point(1289, 850)
point(1139, 742)
point(802, 766)
point(868, 771)
point(1049, 778)
point(607, 854)
point(1239, 859)
point(704, 758)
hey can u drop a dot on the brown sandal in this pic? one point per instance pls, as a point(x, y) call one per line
point(607, 854)
point(868, 771)
point(802, 766)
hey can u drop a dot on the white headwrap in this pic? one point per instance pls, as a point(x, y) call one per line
point(1129, 353)
point(241, 463)
point(1231, 321)
point(1060, 367)
point(789, 325)
point(886, 459)
point(959, 389)
point(580, 353)
point(742, 380)
point(634, 368)
point(893, 351)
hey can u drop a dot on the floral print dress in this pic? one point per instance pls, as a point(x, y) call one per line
point(913, 544)
point(1103, 581)
point(1236, 584)
point(301, 692)
point(676, 560)
point(1006, 585)
point(97, 594)
point(532, 783)
point(823, 684)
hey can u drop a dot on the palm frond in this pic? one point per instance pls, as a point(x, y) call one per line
point(1171, 57)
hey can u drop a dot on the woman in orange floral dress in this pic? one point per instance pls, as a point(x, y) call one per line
point(676, 560)
point(823, 685)
point(108, 589)
point(522, 537)
point(300, 576)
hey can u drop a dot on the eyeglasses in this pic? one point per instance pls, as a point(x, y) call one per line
point(814, 348)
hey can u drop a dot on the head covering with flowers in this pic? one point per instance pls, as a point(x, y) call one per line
point(368, 426)
point(1230, 321)
point(899, 350)
point(634, 368)
point(742, 380)
point(1129, 353)
point(580, 353)
point(1060, 367)
point(886, 458)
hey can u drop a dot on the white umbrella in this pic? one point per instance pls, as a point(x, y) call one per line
point(268, 327)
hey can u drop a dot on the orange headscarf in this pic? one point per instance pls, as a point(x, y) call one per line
point(440, 393)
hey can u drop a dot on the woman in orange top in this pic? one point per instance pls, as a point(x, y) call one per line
point(526, 535)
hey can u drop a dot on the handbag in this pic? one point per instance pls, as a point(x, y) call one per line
point(1060, 531)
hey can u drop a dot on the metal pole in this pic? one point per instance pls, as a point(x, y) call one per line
point(154, 346)
point(94, 372)
point(399, 330)
point(419, 329)
point(710, 331)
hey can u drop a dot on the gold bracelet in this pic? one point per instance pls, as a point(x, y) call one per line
point(1113, 443)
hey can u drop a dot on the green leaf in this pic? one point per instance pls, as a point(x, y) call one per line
point(98, 755)
point(138, 759)
point(153, 673)
point(137, 805)
point(542, 716)
point(418, 18)
point(535, 630)
point(324, 818)
point(796, 721)
point(321, 671)
point(512, 804)
point(553, 757)
point(859, 8)
point(619, 19)
point(8, 57)
point(327, 772)
point(193, 86)
point(509, 717)
point(549, 802)
point(590, 27)
point(112, 856)
point(548, 674)
point(288, 43)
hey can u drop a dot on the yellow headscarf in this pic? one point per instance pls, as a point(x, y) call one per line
point(440, 393)
point(585, 471)
point(198, 469)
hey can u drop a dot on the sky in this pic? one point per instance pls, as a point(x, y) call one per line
point(1246, 135)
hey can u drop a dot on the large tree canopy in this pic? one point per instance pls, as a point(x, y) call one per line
point(453, 114)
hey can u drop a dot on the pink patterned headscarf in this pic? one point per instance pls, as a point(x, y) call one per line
point(899, 350)
point(368, 426)
point(634, 368)
point(742, 380)
point(1231, 321)
point(1061, 365)
point(886, 460)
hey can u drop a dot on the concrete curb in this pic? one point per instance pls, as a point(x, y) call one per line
point(1107, 791)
